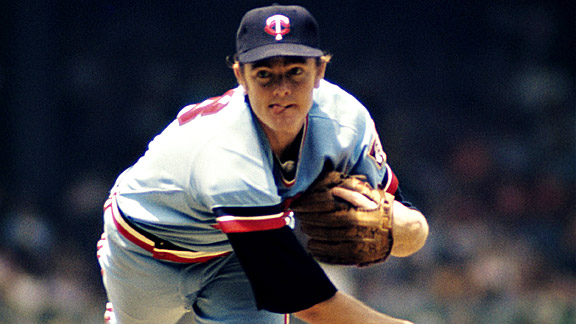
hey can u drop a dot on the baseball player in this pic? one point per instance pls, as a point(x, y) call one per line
point(202, 223)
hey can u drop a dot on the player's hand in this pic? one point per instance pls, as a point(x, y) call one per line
point(354, 198)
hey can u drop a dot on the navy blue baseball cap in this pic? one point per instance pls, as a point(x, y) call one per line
point(277, 31)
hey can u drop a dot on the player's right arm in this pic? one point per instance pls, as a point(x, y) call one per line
point(344, 309)
point(283, 276)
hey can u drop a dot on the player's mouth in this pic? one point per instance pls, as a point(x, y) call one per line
point(278, 109)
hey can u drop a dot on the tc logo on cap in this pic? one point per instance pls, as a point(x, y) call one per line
point(277, 25)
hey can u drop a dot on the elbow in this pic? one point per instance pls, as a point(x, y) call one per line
point(309, 315)
point(318, 313)
point(409, 231)
point(312, 314)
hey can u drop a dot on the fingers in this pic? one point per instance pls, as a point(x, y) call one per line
point(355, 198)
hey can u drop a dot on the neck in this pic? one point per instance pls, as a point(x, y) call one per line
point(284, 145)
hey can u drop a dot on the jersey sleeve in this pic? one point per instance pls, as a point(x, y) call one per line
point(373, 163)
point(391, 184)
point(372, 158)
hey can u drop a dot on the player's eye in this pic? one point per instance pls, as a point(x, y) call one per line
point(263, 74)
point(296, 71)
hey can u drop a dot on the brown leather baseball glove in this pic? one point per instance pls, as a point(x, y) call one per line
point(345, 231)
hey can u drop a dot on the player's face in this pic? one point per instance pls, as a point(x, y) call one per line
point(280, 91)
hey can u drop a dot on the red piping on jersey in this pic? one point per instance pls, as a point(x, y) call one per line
point(147, 244)
point(237, 224)
point(290, 183)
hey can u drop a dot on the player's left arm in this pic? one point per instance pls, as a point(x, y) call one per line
point(409, 228)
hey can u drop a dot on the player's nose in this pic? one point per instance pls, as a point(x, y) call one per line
point(282, 87)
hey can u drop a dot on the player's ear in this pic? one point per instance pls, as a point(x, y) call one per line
point(320, 72)
point(239, 75)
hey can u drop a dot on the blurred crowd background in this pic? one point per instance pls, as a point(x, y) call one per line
point(474, 101)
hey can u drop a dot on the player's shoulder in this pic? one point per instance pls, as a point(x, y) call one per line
point(208, 123)
point(217, 106)
point(333, 102)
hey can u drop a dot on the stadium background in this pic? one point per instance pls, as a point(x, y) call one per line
point(474, 101)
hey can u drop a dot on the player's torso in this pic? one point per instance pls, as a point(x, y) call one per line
point(216, 155)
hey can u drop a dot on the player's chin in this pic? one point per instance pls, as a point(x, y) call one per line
point(288, 123)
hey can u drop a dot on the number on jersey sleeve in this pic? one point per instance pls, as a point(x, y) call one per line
point(207, 107)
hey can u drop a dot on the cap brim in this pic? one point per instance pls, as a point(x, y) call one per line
point(279, 49)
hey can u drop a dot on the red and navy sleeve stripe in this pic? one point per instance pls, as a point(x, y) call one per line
point(390, 182)
point(391, 186)
point(243, 220)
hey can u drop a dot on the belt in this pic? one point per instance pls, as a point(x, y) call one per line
point(160, 249)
